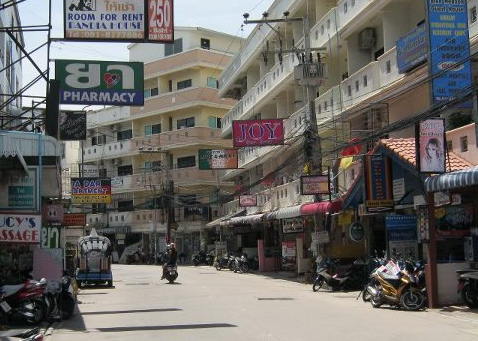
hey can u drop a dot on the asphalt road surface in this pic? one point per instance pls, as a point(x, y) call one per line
point(206, 304)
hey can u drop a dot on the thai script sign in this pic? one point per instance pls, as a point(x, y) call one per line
point(73, 126)
point(15, 228)
point(120, 20)
point(314, 184)
point(74, 219)
point(100, 82)
point(257, 133)
point(217, 159)
point(91, 190)
point(449, 49)
point(248, 200)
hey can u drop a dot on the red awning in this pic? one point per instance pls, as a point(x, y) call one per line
point(321, 207)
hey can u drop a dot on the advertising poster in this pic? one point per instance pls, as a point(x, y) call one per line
point(449, 49)
point(431, 146)
point(88, 82)
point(289, 254)
point(254, 133)
point(217, 159)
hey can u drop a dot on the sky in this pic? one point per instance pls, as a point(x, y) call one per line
point(219, 15)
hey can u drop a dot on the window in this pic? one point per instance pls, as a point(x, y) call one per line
point(349, 90)
point(156, 129)
point(147, 93)
point(155, 91)
point(214, 122)
point(185, 84)
point(188, 161)
point(464, 143)
point(185, 123)
point(147, 130)
point(154, 166)
point(124, 135)
point(98, 208)
point(125, 170)
point(124, 206)
point(103, 173)
point(212, 82)
point(205, 43)
point(449, 145)
point(97, 140)
point(177, 47)
point(473, 14)
point(365, 81)
point(357, 86)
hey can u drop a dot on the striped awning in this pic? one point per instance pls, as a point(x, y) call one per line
point(285, 213)
point(459, 179)
point(247, 219)
point(324, 207)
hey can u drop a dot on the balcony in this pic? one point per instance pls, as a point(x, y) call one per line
point(348, 12)
point(97, 220)
point(108, 150)
point(271, 83)
point(325, 29)
point(181, 99)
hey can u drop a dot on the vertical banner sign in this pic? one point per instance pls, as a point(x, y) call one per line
point(449, 48)
point(160, 21)
point(100, 82)
point(257, 133)
point(149, 21)
point(431, 145)
point(91, 190)
point(217, 159)
point(378, 183)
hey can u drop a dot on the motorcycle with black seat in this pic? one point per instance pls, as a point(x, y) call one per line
point(468, 286)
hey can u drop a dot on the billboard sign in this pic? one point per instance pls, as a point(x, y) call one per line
point(431, 146)
point(91, 190)
point(16, 228)
point(88, 82)
point(248, 200)
point(20, 192)
point(412, 50)
point(149, 21)
point(254, 133)
point(450, 68)
point(217, 159)
point(73, 126)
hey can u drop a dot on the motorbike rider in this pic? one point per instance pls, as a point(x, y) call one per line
point(172, 255)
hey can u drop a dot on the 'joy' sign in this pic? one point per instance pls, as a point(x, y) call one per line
point(258, 133)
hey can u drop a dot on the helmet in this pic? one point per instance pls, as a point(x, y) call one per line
point(172, 245)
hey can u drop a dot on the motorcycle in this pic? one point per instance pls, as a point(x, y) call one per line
point(396, 286)
point(348, 278)
point(240, 264)
point(171, 273)
point(26, 300)
point(468, 287)
point(201, 257)
point(221, 262)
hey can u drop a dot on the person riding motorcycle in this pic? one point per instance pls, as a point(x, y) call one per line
point(172, 256)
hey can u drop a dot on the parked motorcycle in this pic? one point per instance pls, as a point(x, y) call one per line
point(26, 300)
point(240, 264)
point(397, 287)
point(202, 257)
point(171, 273)
point(220, 262)
point(468, 287)
point(350, 277)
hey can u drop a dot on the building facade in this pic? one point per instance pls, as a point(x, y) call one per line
point(151, 152)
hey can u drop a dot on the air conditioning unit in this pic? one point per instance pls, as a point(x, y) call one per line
point(113, 127)
point(366, 39)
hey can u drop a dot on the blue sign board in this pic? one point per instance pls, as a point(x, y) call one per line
point(412, 50)
point(449, 48)
point(401, 227)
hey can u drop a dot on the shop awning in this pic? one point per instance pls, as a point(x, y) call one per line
point(459, 179)
point(224, 218)
point(247, 219)
point(284, 213)
point(13, 160)
point(321, 207)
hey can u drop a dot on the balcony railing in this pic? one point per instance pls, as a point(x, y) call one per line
point(272, 80)
point(325, 29)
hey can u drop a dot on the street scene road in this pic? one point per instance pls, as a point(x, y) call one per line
point(206, 304)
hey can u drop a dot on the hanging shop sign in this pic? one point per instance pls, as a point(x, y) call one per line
point(73, 126)
point(314, 184)
point(253, 133)
point(89, 82)
point(50, 236)
point(91, 190)
point(149, 21)
point(249, 200)
point(292, 225)
point(20, 193)
point(15, 228)
point(74, 219)
point(217, 159)
point(356, 232)
point(412, 49)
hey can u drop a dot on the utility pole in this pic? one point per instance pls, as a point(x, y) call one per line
point(309, 74)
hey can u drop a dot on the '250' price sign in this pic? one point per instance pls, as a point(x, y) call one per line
point(160, 21)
